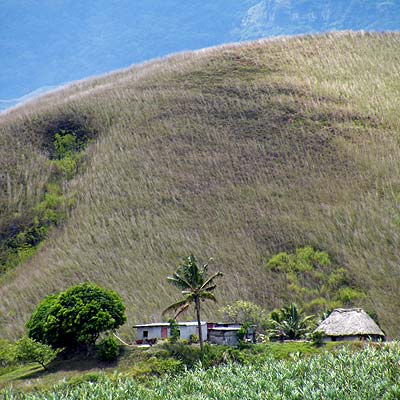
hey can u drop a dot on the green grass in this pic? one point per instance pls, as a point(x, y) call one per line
point(234, 153)
point(20, 372)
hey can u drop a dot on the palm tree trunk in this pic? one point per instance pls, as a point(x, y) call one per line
point(197, 304)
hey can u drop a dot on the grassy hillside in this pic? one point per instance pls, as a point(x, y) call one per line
point(234, 153)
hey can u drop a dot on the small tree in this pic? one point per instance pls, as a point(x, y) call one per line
point(245, 312)
point(195, 288)
point(75, 318)
point(29, 350)
point(173, 330)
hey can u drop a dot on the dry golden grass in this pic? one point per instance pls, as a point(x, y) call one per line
point(233, 153)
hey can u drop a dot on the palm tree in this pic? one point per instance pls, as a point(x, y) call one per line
point(195, 287)
point(290, 323)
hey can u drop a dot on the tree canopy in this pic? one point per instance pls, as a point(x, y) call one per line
point(76, 317)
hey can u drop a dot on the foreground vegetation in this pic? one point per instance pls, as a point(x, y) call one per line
point(372, 373)
point(239, 152)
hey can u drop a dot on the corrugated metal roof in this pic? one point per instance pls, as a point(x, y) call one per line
point(161, 324)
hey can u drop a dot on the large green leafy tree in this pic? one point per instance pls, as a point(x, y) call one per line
point(195, 287)
point(75, 318)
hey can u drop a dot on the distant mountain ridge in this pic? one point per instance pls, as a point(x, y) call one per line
point(289, 17)
point(45, 43)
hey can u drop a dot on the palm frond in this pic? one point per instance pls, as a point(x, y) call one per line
point(210, 280)
point(207, 296)
point(175, 306)
point(181, 310)
point(179, 281)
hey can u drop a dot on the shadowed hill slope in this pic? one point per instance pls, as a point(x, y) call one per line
point(234, 153)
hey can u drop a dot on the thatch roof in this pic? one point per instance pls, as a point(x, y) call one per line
point(349, 322)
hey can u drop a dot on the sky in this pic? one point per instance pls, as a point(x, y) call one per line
point(45, 43)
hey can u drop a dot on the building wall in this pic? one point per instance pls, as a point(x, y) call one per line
point(223, 337)
point(185, 332)
point(153, 332)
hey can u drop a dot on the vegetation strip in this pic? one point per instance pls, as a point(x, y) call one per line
point(368, 374)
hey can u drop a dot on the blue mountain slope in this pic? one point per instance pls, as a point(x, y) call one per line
point(49, 42)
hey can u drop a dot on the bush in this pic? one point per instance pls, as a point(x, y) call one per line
point(155, 367)
point(66, 144)
point(108, 349)
point(190, 356)
point(194, 338)
point(89, 377)
point(314, 280)
point(174, 333)
point(75, 318)
point(241, 333)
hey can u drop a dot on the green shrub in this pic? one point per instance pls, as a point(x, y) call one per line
point(66, 144)
point(189, 355)
point(349, 295)
point(241, 333)
point(174, 334)
point(90, 377)
point(313, 279)
point(317, 338)
point(155, 367)
point(107, 349)
point(194, 338)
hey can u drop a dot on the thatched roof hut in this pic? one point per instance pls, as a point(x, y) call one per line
point(350, 324)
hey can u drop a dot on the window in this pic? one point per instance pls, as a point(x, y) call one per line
point(145, 334)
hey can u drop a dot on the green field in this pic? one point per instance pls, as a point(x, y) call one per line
point(369, 374)
point(234, 153)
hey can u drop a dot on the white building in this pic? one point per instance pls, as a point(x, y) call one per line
point(161, 330)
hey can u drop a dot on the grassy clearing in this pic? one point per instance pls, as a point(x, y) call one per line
point(237, 153)
point(369, 374)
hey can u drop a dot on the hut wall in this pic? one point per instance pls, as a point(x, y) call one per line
point(223, 337)
point(354, 338)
